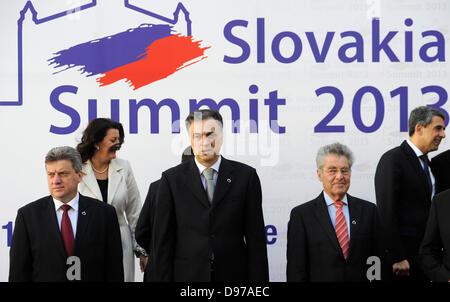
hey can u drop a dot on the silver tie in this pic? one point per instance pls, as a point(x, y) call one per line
point(209, 173)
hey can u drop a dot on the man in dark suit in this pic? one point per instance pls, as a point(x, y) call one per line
point(435, 247)
point(440, 165)
point(404, 187)
point(144, 226)
point(65, 236)
point(209, 222)
point(331, 237)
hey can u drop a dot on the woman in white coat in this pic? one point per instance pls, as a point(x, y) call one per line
point(111, 179)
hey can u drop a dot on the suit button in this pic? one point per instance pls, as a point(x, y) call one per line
point(213, 236)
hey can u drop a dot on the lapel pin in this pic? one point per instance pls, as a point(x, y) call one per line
point(83, 213)
point(354, 222)
point(229, 180)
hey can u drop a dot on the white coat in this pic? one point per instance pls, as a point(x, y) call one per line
point(123, 195)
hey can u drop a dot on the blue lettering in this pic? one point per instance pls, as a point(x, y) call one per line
point(154, 114)
point(72, 113)
point(253, 104)
point(273, 101)
point(134, 106)
point(260, 38)
point(319, 56)
point(408, 42)
point(358, 45)
point(234, 107)
point(9, 232)
point(235, 40)
point(276, 47)
point(439, 43)
point(115, 109)
point(271, 231)
point(377, 47)
point(380, 44)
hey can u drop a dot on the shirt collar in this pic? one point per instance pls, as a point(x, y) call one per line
point(73, 203)
point(215, 167)
point(414, 147)
point(329, 201)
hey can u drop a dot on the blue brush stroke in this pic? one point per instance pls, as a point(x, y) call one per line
point(105, 54)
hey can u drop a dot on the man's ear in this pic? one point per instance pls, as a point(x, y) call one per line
point(418, 129)
point(80, 175)
point(319, 175)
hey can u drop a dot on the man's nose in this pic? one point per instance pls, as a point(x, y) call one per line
point(206, 141)
point(339, 174)
point(56, 179)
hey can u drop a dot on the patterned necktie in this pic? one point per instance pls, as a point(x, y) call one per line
point(425, 161)
point(341, 228)
point(66, 230)
point(209, 173)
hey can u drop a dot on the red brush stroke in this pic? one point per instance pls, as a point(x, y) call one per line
point(163, 58)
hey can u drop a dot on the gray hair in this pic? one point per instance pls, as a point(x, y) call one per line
point(335, 148)
point(422, 115)
point(65, 152)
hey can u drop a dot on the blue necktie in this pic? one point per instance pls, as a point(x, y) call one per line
point(425, 161)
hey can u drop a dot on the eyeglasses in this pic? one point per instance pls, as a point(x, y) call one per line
point(334, 171)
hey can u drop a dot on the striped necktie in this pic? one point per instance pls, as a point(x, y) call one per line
point(341, 228)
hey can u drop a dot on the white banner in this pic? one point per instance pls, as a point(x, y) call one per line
point(288, 77)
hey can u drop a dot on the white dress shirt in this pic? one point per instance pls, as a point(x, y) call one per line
point(73, 212)
point(215, 168)
point(419, 153)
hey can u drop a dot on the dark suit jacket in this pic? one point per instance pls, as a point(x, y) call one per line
point(403, 201)
point(313, 250)
point(37, 248)
point(435, 247)
point(144, 226)
point(440, 165)
point(190, 235)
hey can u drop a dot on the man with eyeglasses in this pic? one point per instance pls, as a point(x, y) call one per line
point(331, 237)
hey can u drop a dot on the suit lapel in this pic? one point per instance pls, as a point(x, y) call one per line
point(354, 209)
point(90, 181)
point(321, 212)
point(83, 220)
point(194, 183)
point(416, 164)
point(114, 178)
point(224, 181)
point(53, 227)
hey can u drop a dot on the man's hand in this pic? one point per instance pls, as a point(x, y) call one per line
point(401, 268)
point(143, 262)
